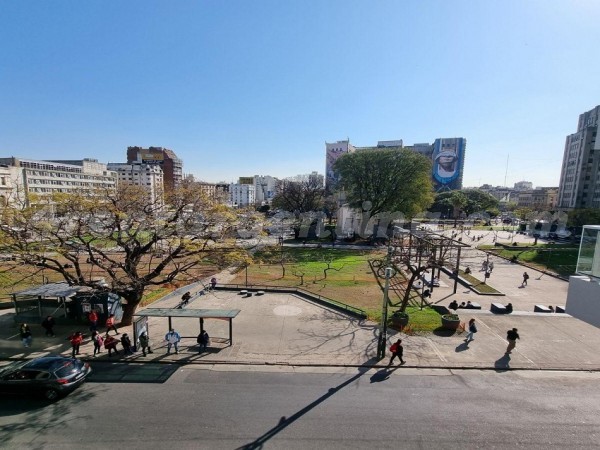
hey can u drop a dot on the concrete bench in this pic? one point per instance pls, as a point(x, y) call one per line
point(560, 309)
point(244, 292)
point(542, 309)
point(473, 305)
point(260, 293)
point(498, 308)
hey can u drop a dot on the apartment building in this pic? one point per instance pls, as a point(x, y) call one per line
point(149, 176)
point(580, 174)
point(48, 177)
point(170, 164)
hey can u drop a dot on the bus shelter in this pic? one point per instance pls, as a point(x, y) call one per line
point(200, 314)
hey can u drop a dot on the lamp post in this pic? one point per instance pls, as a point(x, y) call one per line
point(381, 344)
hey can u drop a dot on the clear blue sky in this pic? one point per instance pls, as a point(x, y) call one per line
point(239, 88)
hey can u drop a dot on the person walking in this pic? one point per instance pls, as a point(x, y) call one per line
point(110, 324)
point(126, 343)
point(172, 338)
point(145, 343)
point(202, 340)
point(511, 337)
point(525, 278)
point(472, 330)
point(76, 340)
point(26, 336)
point(98, 342)
point(213, 283)
point(93, 318)
point(110, 344)
point(397, 352)
point(48, 325)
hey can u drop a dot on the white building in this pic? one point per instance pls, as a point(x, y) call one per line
point(241, 195)
point(149, 176)
point(264, 189)
point(45, 178)
point(332, 152)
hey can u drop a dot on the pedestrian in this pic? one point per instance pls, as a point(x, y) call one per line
point(126, 343)
point(110, 344)
point(145, 343)
point(397, 351)
point(453, 305)
point(93, 318)
point(97, 341)
point(213, 283)
point(511, 337)
point(203, 340)
point(491, 267)
point(26, 336)
point(48, 325)
point(472, 330)
point(172, 338)
point(525, 278)
point(110, 324)
point(76, 340)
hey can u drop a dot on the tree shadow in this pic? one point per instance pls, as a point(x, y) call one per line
point(502, 364)
point(443, 332)
point(284, 421)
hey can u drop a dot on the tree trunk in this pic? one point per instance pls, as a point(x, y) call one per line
point(133, 300)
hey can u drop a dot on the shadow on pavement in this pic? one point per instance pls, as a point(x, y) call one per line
point(502, 364)
point(284, 422)
point(115, 372)
point(383, 374)
point(462, 347)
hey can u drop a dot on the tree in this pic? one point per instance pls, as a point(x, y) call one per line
point(299, 196)
point(469, 201)
point(387, 181)
point(131, 241)
point(584, 216)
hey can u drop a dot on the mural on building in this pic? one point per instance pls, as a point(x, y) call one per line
point(448, 160)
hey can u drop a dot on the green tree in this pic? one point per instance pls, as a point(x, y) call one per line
point(583, 216)
point(123, 236)
point(386, 181)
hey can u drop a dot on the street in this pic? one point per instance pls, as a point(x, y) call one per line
point(228, 407)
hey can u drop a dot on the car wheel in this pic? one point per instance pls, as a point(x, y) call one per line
point(51, 394)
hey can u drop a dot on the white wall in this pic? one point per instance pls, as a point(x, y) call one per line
point(583, 299)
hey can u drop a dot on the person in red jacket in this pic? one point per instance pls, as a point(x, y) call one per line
point(110, 324)
point(397, 351)
point(76, 340)
point(93, 318)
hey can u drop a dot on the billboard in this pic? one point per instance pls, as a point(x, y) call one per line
point(448, 160)
point(151, 157)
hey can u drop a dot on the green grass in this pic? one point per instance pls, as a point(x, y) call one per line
point(478, 285)
point(561, 259)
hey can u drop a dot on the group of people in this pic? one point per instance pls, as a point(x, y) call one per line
point(468, 305)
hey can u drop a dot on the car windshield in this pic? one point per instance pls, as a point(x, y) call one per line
point(69, 368)
point(12, 366)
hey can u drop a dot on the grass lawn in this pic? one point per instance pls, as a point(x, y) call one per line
point(478, 285)
point(561, 259)
point(349, 280)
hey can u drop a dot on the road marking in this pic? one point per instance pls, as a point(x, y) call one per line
point(435, 349)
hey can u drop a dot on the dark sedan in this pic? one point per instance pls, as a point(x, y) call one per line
point(50, 376)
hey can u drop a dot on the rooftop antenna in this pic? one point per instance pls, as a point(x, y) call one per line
point(506, 172)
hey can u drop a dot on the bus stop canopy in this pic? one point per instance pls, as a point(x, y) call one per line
point(223, 314)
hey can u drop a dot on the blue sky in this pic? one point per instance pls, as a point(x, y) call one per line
point(239, 88)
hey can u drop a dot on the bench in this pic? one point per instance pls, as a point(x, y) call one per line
point(244, 292)
point(560, 309)
point(260, 293)
point(474, 305)
point(498, 308)
point(541, 309)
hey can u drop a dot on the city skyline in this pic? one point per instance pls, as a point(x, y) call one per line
point(238, 89)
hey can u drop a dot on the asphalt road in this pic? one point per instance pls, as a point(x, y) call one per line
point(226, 407)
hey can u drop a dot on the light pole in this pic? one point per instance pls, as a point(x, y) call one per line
point(381, 344)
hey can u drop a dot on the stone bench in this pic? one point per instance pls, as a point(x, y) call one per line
point(541, 309)
point(244, 292)
point(498, 308)
point(560, 309)
point(260, 293)
point(473, 305)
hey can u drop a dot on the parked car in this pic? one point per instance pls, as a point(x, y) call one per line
point(50, 376)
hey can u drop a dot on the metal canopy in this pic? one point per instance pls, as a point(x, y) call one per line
point(62, 289)
point(198, 313)
point(169, 313)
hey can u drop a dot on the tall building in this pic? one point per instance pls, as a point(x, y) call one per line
point(264, 189)
point(332, 152)
point(149, 176)
point(580, 175)
point(170, 164)
point(241, 195)
point(45, 178)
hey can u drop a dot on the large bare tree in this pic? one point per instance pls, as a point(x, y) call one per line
point(126, 238)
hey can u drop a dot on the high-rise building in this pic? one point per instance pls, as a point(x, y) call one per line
point(580, 175)
point(264, 189)
point(241, 195)
point(171, 165)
